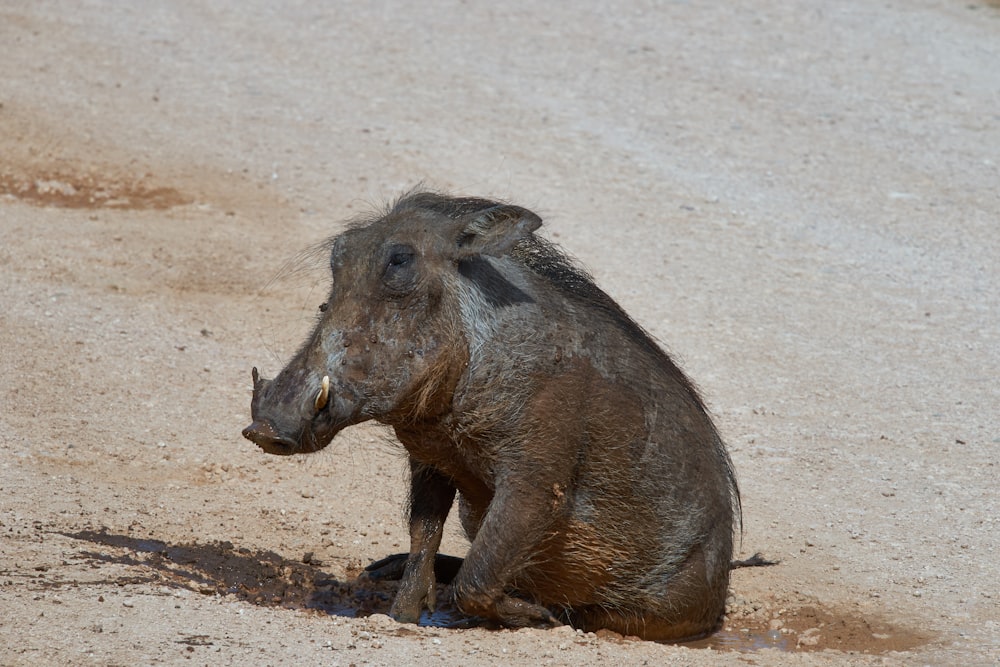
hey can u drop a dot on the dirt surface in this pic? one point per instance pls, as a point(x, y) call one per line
point(800, 199)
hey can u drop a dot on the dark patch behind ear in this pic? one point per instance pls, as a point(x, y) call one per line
point(497, 290)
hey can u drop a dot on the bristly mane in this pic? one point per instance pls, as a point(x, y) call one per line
point(450, 207)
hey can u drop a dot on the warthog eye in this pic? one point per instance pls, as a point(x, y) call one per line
point(399, 275)
point(400, 258)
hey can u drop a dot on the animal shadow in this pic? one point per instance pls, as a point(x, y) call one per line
point(260, 577)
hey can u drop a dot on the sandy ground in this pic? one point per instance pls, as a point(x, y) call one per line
point(800, 199)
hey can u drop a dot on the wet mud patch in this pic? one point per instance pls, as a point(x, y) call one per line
point(48, 163)
point(94, 190)
point(805, 624)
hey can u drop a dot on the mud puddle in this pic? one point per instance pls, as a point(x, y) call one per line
point(811, 627)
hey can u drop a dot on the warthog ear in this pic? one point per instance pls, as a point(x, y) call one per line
point(495, 230)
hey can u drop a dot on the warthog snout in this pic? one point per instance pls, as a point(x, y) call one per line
point(263, 434)
point(289, 417)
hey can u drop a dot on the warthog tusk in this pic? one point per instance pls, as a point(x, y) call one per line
point(323, 395)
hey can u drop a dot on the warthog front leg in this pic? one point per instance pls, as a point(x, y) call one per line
point(511, 531)
point(431, 497)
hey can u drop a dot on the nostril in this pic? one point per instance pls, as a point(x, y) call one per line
point(260, 430)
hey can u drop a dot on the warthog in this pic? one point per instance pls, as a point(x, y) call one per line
point(592, 484)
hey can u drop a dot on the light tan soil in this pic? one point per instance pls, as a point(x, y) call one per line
point(800, 199)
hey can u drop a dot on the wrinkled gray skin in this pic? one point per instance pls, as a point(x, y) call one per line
point(593, 486)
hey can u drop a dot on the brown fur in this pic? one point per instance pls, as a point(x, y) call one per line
point(593, 486)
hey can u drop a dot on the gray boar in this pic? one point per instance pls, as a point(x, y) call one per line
point(592, 484)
